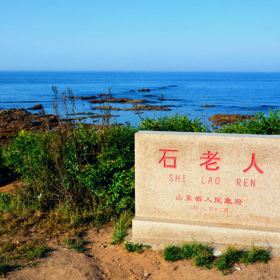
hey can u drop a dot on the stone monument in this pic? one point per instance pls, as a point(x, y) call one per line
point(217, 188)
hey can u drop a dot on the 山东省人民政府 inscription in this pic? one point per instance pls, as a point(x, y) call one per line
point(213, 187)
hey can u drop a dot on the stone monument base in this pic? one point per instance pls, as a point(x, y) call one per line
point(162, 232)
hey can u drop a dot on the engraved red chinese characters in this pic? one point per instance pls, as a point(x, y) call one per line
point(168, 161)
point(254, 164)
point(210, 162)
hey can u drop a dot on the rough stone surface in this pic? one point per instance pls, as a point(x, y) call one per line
point(14, 120)
point(222, 119)
point(210, 187)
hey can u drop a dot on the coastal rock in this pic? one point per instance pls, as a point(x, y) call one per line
point(36, 107)
point(208, 105)
point(81, 97)
point(118, 100)
point(222, 119)
point(134, 108)
point(12, 121)
point(144, 90)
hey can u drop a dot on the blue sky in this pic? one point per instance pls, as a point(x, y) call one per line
point(140, 35)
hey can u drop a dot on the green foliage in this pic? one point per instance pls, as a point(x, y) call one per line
point(174, 123)
point(256, 254)
point(204, 257)
point(192, 249)
point(16, 255)
point(36, 252)
point(6, 202)
point(260, 124)
point(232, 255)
point(121, 227)
point(82, 166)
point(76, 244)
point(201, 254)
point(226, 261)
point(173, 253)
point(136, 247)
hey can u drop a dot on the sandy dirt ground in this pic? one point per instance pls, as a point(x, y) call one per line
point(105, 261)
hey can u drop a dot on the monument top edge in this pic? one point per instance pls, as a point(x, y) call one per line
point(206, 134)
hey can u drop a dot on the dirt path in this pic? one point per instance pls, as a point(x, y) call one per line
point(105, 261)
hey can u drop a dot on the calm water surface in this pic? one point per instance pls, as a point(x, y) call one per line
point(244, 93)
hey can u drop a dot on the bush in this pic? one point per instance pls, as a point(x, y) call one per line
point(172, 253)
point(256, 254)
point(81, 166)
point(77, 244)
point(174, 123)
point(136, 247)
point(15, 255)
point(260, 124)
point(201, 254)
point(9, 202)
point(121, 227)
point(228, 259)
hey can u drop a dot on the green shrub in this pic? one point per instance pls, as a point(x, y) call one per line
point(226, 261)
point(20, 254)
point(256, 254)
point(204, 258)
point(80, 166)
point(121, 227)
point(173, 253)
point(5, 202)
point(202, 255)
point(192, 249)
point(260, 124)
point(174, 123)
point(136, 247)
point(77, 244)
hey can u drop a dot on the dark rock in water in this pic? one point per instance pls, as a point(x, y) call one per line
point(148, 108)
point(36, 107)
point(208, 105)
point(150, 95)
point(165, 87)
point(221, 119)
point(272, 107)
point(144, 90)
point(82, 97)
point(87, 97)
point(118, 100)
point(168, 99)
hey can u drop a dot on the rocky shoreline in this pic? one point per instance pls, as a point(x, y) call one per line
point(12, 121)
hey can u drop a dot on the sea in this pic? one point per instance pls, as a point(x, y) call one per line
point(195, 94)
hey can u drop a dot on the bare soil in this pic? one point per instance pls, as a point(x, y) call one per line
point(106, 261)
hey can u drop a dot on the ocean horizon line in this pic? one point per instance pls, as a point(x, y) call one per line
point(141, 71)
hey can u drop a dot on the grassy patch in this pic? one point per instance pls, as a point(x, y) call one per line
point(226, 261)
point(136, 247)
point(173, 253)
point(76, 243)
point(256, 254)
point(173, 123)
point(202, 256)
point(121, 227)
point(15, 255)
